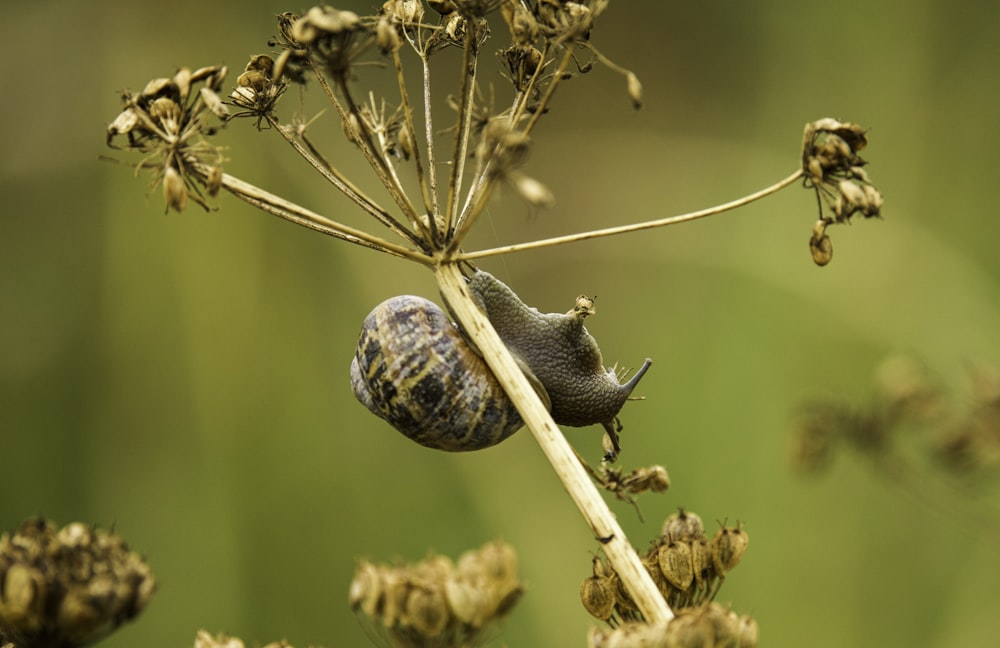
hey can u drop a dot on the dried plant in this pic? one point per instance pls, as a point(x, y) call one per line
point(172, 123)
point(68, 587)
point(946, 455)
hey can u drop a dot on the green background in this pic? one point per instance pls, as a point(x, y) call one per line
point(183, 377)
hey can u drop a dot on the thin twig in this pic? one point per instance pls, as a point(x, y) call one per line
point(634, 227)
point(471, 56)
point(429, 135)
point(345, 186)
point(560, 454)
point(278, 206)
point(404, 100)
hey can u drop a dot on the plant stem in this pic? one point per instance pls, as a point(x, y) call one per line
point(338, 180)
point(560, 454)
point(278, 206)
point(634, 227)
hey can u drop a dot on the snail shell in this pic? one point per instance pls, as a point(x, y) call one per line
point(416, 370)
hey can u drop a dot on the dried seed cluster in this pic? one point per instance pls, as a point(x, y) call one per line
point(832, 167)
point(706, 626)
point(626, 486)
point(436, 602)
point(687, 567)
point(68, 587)
point(168, 121)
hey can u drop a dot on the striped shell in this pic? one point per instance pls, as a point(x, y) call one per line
point(415, 370)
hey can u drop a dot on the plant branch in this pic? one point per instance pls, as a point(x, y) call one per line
point(404, 98)
point(429, 134)
point(470, 57)
point(345, 186)
point(634, 227)
point(278, 206)
point(560, 454)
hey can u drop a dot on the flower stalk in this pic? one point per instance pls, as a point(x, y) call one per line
point(553, 443)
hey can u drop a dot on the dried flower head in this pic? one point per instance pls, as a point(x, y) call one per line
point(436, 602)
point(687, 568)
point(258, 89)
point(832, 167)
point(169, 123)
point(68, 587)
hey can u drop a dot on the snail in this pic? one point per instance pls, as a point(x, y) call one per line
point(415, 369)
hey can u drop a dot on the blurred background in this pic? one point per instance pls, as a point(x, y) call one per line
point(184, 377)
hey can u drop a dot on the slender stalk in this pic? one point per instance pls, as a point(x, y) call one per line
point(470, 58)
point(560, 454)
point(404, 100)
point(278, 206)
point(550, 90)
point(429, 134)
point(342, 184)
point(351, 115)
point(634, 227)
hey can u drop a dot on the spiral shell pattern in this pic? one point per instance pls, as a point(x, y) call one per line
point(414, 369)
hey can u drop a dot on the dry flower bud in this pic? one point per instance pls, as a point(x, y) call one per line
point(683, 525)
point(213, 102)
point(728, 547)
point(821, 248)
point(598, 597)
point(175, 193)
point(634, 89)
point(160, 87)
point(386, 36)
point(701, 560)
point(748, 632)
point(123, 123)
point(532, 191)
point(675, 562)
point(332, 20)
point(426, 611)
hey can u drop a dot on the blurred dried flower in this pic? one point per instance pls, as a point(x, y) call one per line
point(68, 587)
point(437, 603)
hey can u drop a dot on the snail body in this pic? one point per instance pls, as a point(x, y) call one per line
point(415, 369)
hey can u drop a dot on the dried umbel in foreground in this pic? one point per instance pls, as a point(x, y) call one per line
point(68, 587)
point(436, 602)
point(687, 567)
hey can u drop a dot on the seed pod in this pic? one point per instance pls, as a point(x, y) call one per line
point(415, 369)
point(676, 564)
point(728, 547)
